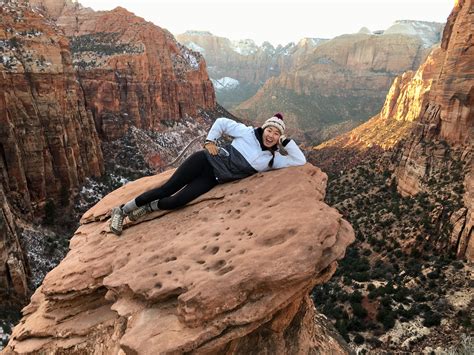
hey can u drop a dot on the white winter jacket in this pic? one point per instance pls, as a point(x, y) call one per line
point(246, 143)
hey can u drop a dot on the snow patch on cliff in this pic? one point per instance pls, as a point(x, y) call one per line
point(429, 32)
point(225, 83)
point(192, 60)
point(193, 46)
point(244, 47)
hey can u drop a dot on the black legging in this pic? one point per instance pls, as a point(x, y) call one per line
point(192, 179)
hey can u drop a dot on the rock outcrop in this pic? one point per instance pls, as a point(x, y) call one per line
point(447, 116)
point(229, 273)
point(133, 72)
point(13, 267)
point(48, 140)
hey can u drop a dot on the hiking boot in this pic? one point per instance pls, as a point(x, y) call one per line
point(138, 213)
point(116, 220)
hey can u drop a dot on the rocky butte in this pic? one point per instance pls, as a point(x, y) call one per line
point(133, 72)
point(230, 273)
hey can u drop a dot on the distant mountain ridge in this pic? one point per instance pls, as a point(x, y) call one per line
point(295, 78)
point(243, 61)
point(340, 83)
point(429, 32)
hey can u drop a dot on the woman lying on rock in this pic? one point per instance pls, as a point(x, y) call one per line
point(252, 150)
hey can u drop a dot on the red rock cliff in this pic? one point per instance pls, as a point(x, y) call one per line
point(48, 141)
point(13, 267)
point(448, 116)
point(133, 72)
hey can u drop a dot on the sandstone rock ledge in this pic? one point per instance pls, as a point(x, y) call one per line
point(229, 274)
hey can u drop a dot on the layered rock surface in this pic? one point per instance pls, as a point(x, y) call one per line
point(229, 273)
point(133, 72)
point(48, 141)
point(447, 116)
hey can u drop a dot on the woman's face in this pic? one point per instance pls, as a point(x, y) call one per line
point(271, 135)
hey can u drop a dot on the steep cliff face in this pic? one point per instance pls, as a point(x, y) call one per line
point(210, 278)
point(447, 116)
point(13, 267)
point(342, 82)
point(454, 91)
point(133, 72)
point(403, 105)
point(48, 141)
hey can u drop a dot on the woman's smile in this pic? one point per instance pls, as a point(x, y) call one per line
point(271, 135)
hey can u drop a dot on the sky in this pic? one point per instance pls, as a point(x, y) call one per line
point(278, 21)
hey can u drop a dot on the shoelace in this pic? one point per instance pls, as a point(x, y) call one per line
point(140, 212)
point(117, 220)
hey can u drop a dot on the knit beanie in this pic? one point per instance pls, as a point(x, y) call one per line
point(275, 121)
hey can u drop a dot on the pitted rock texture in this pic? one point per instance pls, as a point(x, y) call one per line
point(230, 271)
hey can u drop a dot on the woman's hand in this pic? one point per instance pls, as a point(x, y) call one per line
point(211, 147)
point(281, 147)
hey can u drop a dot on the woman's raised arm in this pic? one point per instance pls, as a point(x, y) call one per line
point(295, 156)
point(226, 126)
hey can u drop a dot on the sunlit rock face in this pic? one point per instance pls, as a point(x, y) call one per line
point(230, 273)
point(447, 116)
